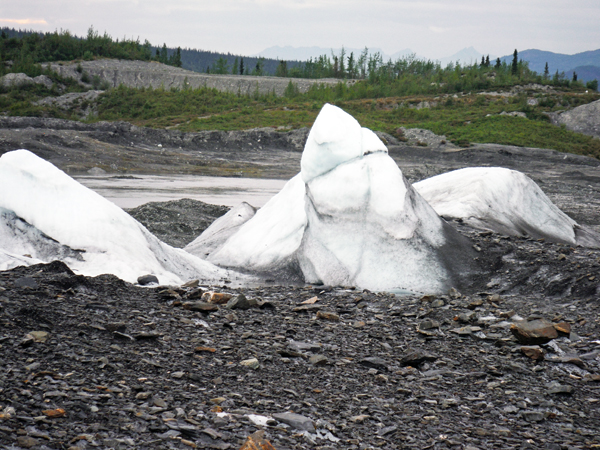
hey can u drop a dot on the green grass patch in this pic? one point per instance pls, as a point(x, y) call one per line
point(517, 131)
point(464, 119)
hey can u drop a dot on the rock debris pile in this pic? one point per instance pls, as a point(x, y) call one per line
point(100, 363)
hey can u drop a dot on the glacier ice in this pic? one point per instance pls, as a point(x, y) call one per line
point(17, 237)
point(504, 201)
point(269, 241)
point(349, 218)
point(333, 139)
point(367, 227)
point(220, 230)
point(52, 216)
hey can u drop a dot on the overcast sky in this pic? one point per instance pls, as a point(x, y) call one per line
point(433, 29)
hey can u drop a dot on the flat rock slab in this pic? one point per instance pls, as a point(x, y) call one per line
point(534, 332)
point(296, 421)
point(417, 357)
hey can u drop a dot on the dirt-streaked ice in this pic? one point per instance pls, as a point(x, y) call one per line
point(107, 239)
point(504, 201)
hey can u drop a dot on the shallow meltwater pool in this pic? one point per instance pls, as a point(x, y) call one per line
point(132, 191)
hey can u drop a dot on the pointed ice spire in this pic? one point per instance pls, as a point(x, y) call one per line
point(334, 138)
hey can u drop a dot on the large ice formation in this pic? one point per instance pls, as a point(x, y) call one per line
point(504, 201)
point(349, 218)
point(45, 215)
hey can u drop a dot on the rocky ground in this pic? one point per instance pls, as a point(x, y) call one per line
point(99, 363)
point(96, 362)
point(122, 148)
point(177, 222)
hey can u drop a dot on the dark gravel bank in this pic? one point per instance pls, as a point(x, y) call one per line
point(99, 363)
point(177, 222)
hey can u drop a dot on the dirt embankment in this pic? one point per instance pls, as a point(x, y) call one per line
point(152, 74)
point(119, 147)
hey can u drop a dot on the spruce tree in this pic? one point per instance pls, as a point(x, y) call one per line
point(351, 68)
point(515, 62)
point(574, 76)
point(281, 70)
point(242, 66)
point(176, 58)
point(234, 69)
point(487, 61)
point(164, 58)
point(498, 63)
point(546, 71)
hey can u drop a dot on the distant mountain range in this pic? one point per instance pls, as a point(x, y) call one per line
point(586, 64)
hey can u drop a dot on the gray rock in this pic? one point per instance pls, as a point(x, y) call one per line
point(295, 421)
point(145, 280)
point(304, 346)
point(514, 114)
point(374, 362)
point(82, 103)
point(26, 282)
point(252, 363)
point(424, 138)
point(15, 79)
point(534, 416)
point(583, 119)
point(557, 388)
point(429, 324)
point(417, 357)
point(239, 302)
point(43, 79)
point(318, 360)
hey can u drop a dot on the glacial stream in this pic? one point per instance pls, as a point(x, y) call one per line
point(132, 191)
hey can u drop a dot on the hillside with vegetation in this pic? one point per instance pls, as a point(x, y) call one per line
point(489, 102)
point(26, 49)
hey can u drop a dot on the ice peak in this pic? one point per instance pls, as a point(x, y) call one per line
point(371, 143)
point(334, 138)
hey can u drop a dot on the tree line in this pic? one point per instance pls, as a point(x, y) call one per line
point(23, 51)
point(27, 48)
point(408, 75)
